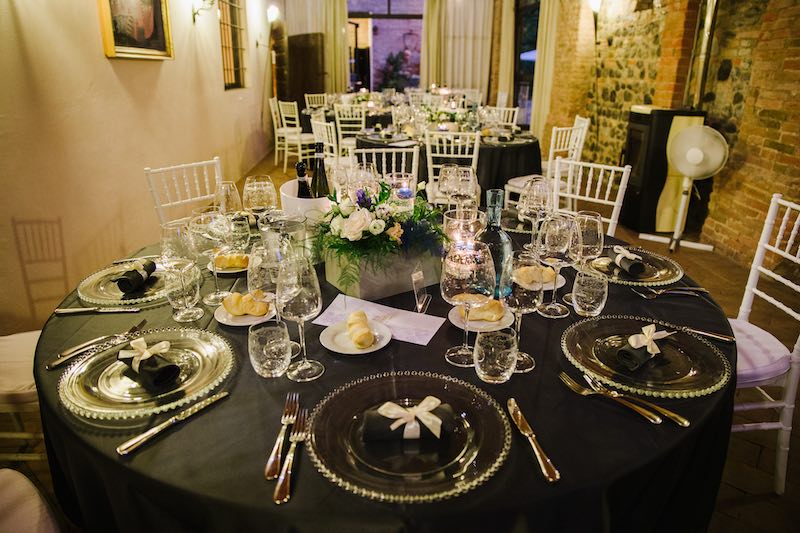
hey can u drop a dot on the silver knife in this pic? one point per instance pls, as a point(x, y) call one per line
point(69, 353)
point(132, 259)
point(137, 441)
point(717, 336)
point(77, 310)
point(551, 474)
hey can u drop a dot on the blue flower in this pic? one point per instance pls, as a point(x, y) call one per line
point(362, 199)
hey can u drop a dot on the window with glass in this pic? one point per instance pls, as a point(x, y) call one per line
point(232, 39)
point(526, 32)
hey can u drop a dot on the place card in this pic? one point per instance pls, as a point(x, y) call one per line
point(421, 295)
point(406, 326)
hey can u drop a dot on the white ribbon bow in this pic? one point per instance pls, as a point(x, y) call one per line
point(139, 267)
point(141, 352)
point(409, 417)
point(648, 337)
point(621, 252)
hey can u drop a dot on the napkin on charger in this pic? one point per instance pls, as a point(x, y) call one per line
point(147, 367)
point(641, 347)
point(134, 279)
point(626, 260)
point(430, 419)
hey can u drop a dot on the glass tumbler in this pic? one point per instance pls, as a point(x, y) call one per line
point(495, 355)
point(589, 293)
point(268, 345)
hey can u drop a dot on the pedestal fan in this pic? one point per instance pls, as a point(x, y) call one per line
point(697, 152)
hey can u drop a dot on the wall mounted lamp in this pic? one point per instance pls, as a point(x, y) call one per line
point(198, 6)
point(273, 13)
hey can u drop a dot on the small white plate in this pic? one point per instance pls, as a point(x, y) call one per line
point(336, 339)
point(480, 325)
point(560, 282)
point(224, 317)
point(210, 268)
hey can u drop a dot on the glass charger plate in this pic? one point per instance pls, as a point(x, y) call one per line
point(688, 365)
point(403, 471)
point(96, 388)
point(658, 270)
point(98, 288)
point(509, 221)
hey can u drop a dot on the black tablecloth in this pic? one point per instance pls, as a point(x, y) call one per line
point(497, 162)
point(384, 119)
point(619, 473)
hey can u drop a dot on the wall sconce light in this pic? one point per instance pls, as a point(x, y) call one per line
point(198, 6)
point(273, 13)
point(595, 5)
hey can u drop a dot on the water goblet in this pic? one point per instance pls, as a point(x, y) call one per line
point(258, 195)
point(495, 355)
point(175, 242)
point(534, 204)
point(468, 280)
point(589, 293)
point(226, 197)
point(268, 347)
point(463, 224)
point(586, 242)
point(183, 280)
point(556, 232)
point(207, 233)
point(525, 297)
point(466, 188)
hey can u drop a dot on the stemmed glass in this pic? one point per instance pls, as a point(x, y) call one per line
point(534, 204)
point(448, 180)
point(525, 297)
point(466, 188)
point(299, 300)
point(175, 241)
point(586, 242)
point(463, 224)
point(207, 233)
point(183, 280)
point(226, 197)
point(258, 195)
point(556, 232)
point(468, 279)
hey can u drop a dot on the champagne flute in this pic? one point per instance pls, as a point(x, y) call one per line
point(468, 279)
point(556, 233)
point(586, 243)
point(299, 300)
point(534, 204)
point(525, 297)
point(207, 233)
point(226, 197)
point(258, 195)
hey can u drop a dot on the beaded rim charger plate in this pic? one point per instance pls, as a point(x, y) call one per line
point(658, 270)
point(688, 365)
point(405, 471)
point(96, 387)
point(99, 289)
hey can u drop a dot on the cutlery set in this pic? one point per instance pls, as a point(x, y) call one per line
point(84, 347)
point(296, 417)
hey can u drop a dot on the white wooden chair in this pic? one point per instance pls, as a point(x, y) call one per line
point(414, 96)
point(434, 101)
point(178, 188)
point(325, 133)
point(279, 130)
point(314, 100)
point(509, 201)
point(18, 389)
point(446, 147)
point(473, 96)
point(603, 186)
point(298, 144)
point(389, 160)
point(762, 360)
point(350, 121)
point(23, 509)
point(507, 116)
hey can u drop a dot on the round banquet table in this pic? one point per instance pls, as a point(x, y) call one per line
point(618, 472)
point(384, 119)
point(497, 162)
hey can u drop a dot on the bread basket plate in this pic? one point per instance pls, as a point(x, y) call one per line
point(481, 325)
point(336, 338)
point(224, 317)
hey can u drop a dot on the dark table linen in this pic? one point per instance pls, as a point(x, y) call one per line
point(619, 473)
point(384, 119)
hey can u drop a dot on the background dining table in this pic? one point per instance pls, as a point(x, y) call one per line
point(618, 472)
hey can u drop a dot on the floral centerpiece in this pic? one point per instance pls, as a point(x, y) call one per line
point(371, 240)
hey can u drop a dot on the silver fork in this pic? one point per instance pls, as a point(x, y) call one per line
point(283, 490)
point(290, 408)
point(574, 386)
point(652, 295)
point(675, 417)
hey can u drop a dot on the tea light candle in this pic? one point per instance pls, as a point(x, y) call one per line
point(442, 126)
point(405, 193)
point(452, 105)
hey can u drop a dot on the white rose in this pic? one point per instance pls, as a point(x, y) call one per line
point(383, 210)
point(356, 224)
point(336, 225)
point(347, 207)
point(421, 186)
point(376, 227)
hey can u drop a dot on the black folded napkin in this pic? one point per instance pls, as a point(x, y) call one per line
point(633, 358)
point(375, 426)
point(155, 373)
point(634, 267)
point(505, 138)
point(133, 280)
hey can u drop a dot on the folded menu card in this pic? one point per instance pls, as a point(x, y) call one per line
point(408, 326)
point(430, 419)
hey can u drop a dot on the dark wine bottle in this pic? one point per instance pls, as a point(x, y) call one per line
point(497, 239)
point(319, 183)
point(303, 189)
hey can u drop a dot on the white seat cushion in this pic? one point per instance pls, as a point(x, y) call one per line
point(16, 368)
point(289, 131)
point(760, 355)
point(304, 138)
point(22, 508)
point(349, 142)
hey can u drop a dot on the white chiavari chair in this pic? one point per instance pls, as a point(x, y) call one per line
point(325, 133)
point(601, 186)
point(23, 509)
point(18, 390)
point(178, 188)
point(762, 360)
point(507, 116)
point(350, 121)
point(414, 96)
point(298, 144)
point(278, 129)
point(446, 147)
point(315, 100)
point(389, 160)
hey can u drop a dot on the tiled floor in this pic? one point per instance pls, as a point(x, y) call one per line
point(746, 502)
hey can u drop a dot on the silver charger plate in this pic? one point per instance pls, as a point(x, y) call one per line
point(658, 270)
point(99, 289)
point(95, 387)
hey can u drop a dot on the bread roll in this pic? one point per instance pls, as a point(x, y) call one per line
point(531, 277)
point(491, 312)
point(231, 261)
point(357, 317)
point(361, 335)
point(237, 305)
point(233, 304)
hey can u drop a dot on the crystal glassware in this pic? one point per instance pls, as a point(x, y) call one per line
point(496, 238)
point(183, 280)
point(524, 297)
point(207, 232)
point(268, 346)
point(556, 233)
point(466, 189)
point(226, 197)
point(586, 242)
point(534, 204)
point(175, 241)
point(299, 300)
point(589, 293)
point(448, 180)
point(468, 280)
point(258, 195)
point(495, 355)
point(463, 224)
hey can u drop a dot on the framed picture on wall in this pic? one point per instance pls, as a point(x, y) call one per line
point(137, 29)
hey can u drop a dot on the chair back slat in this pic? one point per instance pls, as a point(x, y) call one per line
point(290, 116)
point(506, 115)
point(325, 133)
point(314, 100)
point(390, 159)
point(178, 186)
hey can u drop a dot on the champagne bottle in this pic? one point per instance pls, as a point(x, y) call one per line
point(303, 189)
point(497, 239)
point(319, 183)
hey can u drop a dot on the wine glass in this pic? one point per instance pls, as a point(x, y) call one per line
point(586, 243)
point(207, 233)
point(183, 280)
point(299, 300)
point(468, 280)
point(258, 195)
point(448, 180)
point(466, 189)
point(534, 203)
point(525, 297)
point(237, 234)
point(226, 197)
point(463, 224)
point(556, 232)
point(175, 242)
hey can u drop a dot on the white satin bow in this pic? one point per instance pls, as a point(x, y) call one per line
point(409, 417)
point(139, 267)
point(141, 352)
point(621, 251)
point(648, 337)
